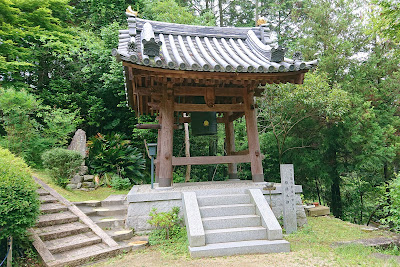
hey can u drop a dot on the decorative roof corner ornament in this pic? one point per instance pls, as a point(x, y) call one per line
point(130, 12)
point(132, 45)
point(297, 56)
point(150, 46)
point(278, 54)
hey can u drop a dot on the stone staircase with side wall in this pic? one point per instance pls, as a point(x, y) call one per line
point(231, 223)
point(65, 236)
point(110, 215)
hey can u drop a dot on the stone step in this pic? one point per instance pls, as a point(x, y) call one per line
point(241, 247)
point(227, 210)
point(52, 208)
point(72, 242)
point(62, 230)
point(235, 234)
point(214, 200)
point(111, 211)
point(42, 192)
point(113, 200)
point(212, 223)
point(89, 211)
point(47, 199)
point(56, 218)
point(78, 257)
point(89, 203)
point(120, 234)
point(109, 223)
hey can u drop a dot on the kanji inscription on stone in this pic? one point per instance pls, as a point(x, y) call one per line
point(289, 203)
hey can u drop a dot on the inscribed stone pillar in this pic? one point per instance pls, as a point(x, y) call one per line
point(252, 136)
point(289, 203)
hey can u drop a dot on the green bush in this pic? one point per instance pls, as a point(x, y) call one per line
point(393, 210)
point(62, 164)
point(114, 154)
point(165, 221)
point(19, 203)
point(120, 183)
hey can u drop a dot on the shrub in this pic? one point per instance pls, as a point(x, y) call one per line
point(62, 164)
point(19, 203)
point(393, 210)
point(114, 154)
point(120, 183)
point(165, 221)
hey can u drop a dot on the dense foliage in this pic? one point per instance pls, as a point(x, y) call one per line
point(114, 154)
point(19, 202)
point(62, 164)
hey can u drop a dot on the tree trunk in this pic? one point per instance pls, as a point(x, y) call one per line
point(221, 18)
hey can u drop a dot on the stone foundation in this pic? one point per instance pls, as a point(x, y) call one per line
point(142, 199)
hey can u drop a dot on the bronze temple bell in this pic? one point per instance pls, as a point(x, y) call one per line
point(203, 123)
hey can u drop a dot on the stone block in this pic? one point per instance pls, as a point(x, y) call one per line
point(71, 186)
point(83, 170)
point(87, 184)
point(78, 185)
point(318, 211)
point(88, 178)
point(76, 179)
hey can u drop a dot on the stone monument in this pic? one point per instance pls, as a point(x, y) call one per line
point(289, 194)
point(81, 180)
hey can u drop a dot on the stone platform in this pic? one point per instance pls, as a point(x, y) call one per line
point(141, 199)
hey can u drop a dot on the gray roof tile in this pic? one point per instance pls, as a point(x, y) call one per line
point(201, 48)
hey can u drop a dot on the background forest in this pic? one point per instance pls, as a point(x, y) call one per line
point(340, 128)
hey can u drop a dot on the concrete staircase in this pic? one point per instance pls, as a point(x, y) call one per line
point(65, 236)
point(231, 223)
point(110, 215)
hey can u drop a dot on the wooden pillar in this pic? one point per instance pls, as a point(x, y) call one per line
point(158, 149)
point(166, 143)
point(230, 145)
point(252, 136)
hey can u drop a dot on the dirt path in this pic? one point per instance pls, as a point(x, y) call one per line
point(151, 257)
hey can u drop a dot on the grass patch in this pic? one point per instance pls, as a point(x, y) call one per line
point(174, 247)
point(78, 195)
point(321, 233)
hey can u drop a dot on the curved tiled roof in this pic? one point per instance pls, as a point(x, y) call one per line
point(200, 48)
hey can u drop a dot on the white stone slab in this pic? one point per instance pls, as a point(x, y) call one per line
point(194, 224)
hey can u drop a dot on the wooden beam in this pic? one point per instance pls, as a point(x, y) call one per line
point(148, 126)
point(176, 161)
point(235, 116)
point(273, 77)
point(189, 120)
point(205, 108)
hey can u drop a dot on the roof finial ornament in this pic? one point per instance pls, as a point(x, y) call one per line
point(261, 22)
point(130, 12)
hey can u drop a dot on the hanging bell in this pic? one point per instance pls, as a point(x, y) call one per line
point(203, 123)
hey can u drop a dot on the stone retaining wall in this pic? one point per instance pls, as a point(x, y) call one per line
point(141, 200)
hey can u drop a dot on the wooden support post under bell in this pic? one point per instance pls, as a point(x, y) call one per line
point(167, 130)
point(158, 151)
point(230, 145)
point(252, 137)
